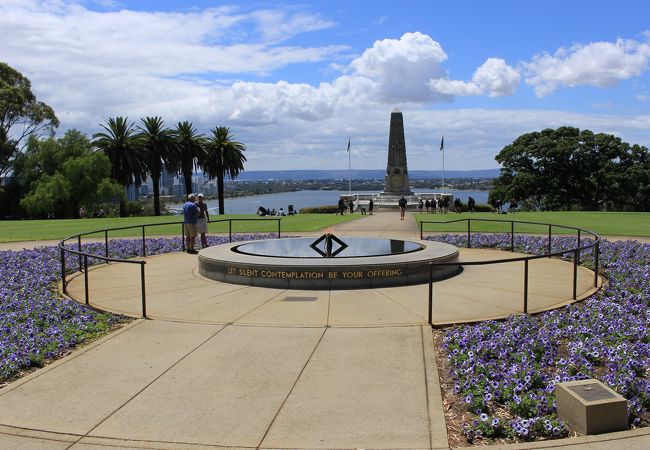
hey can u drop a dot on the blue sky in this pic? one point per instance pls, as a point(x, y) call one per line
point(295, 80)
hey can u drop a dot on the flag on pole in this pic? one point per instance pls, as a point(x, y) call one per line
point(348, 145)
point(442, 144)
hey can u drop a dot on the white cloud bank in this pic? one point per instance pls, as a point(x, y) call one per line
point(600, 64)
point(191, 65)
point(494, 78)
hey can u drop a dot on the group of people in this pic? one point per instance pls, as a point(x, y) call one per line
point(195, 221)
point(435, 205)
point(344, 205)
point(262, 211)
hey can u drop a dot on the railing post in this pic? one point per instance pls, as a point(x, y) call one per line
point(106, 245)
point(63, 284)
point(421, 235)
point(144, 244)
point(575, 273)
point(279, 220)
point(79, 250)
point(85, 258)
point(431, 294)
point(526, 286)
point(469, 234)
point(549, 239)
point(144, 299)
point(229, 230)
point(578, 247)
point(512, 235)
point(183, 236)
point(596, 264)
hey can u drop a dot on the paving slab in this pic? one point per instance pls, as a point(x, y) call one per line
point(227, 392)
point(89, 387)
point(347, 396)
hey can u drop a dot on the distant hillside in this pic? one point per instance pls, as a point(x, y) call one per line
point(359, 174)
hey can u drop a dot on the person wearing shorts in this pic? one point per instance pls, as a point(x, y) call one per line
point(202, 221)
point(190, 216)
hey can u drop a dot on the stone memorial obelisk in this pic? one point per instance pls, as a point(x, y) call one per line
point(397, 174)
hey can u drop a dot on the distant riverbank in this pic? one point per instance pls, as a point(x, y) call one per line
point(306, 199)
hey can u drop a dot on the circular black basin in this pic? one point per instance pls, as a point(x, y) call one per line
point(300, 248)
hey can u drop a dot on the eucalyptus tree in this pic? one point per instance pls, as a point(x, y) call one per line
point(191, 149)
point(119, 142)
point(223, 156)
point(157, 145)
point(21, 115)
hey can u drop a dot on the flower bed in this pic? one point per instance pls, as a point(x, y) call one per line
point(35, 323)
point(504, 373)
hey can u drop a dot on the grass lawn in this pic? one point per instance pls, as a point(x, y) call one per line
point(604, 223)
point(36, 230)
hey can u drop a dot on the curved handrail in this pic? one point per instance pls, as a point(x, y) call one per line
point(83, 256)
point(575, 250)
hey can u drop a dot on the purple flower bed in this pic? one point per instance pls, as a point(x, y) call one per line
point(506, 371)
point(35, 323)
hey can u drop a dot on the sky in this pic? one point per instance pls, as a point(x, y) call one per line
point(295, 81)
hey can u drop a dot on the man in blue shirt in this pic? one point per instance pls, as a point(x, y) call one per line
point(190, 217)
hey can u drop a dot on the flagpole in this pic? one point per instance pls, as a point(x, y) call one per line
point(442, 149)
point(349, 169)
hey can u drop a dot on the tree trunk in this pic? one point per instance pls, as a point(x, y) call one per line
point(155, 178)
point(187, 177)
point(222, 208)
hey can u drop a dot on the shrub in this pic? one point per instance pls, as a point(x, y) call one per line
point(325, 209)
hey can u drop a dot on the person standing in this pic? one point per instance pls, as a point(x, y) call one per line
point(371, 205)
point(402, 207)
point(190, 217)
point(351, 206)
point(202, 221)
point(420, 205)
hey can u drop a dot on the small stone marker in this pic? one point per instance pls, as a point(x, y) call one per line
point(590, 407)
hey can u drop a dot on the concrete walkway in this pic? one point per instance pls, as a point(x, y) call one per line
point(242, 367)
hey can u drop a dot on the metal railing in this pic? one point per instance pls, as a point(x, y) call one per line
point(83, 256)
point(595, 244)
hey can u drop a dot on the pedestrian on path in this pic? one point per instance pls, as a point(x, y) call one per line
point(402, 207)
point(190, 217)
point(371, 205)
point(202, 221)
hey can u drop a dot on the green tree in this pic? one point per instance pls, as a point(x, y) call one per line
point(120, 143)
point(63, 175)
point(223, 156)
point(191, 150)
point(567, 168)
point(158, 148)
point(21, 115)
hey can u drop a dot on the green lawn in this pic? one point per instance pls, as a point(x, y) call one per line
point(36, 230)
point(604, 223)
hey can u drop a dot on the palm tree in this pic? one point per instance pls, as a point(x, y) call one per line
point(191, 150)
point(121, 146)
point(157, 147)
point(223, 156)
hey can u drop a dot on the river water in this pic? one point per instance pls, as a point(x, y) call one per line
point(305, 199)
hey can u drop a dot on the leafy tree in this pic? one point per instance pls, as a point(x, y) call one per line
point(223, 156)
point(158, 147)
point(191, 148)
point(21, 115)
point(571, 169)
point(63, 175)
point(120, 143)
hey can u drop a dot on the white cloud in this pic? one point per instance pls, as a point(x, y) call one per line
point(401, 68)
point(494, 78)
point(600, 64)
point(184, 66)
